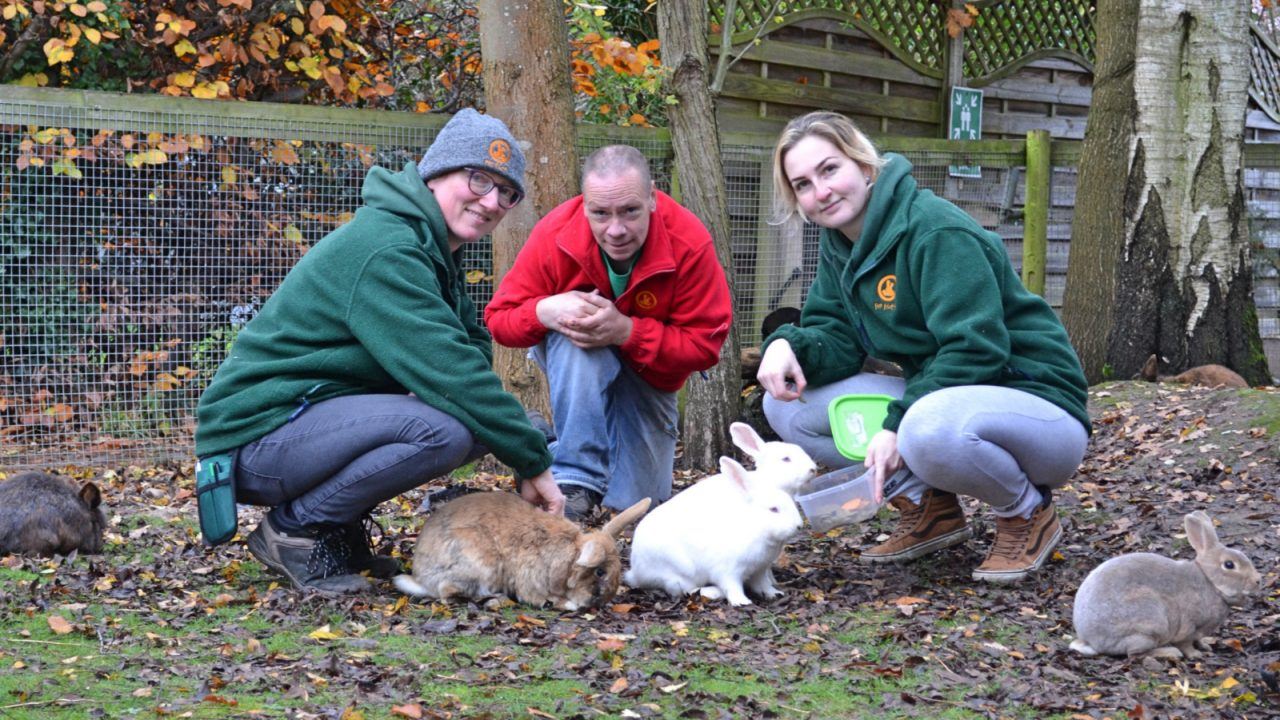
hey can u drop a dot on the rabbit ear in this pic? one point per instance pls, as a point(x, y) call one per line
point(626, 518)
point(91, 496)
point(592, 554)
point(737, 474)
point(1200, 531)
point(746, 438)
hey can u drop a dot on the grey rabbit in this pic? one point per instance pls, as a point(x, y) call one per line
point(42, 514)
point(1148, 604)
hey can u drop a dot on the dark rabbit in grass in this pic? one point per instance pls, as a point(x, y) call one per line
point(43, 514)
point(491, 544)
point(1148, 604)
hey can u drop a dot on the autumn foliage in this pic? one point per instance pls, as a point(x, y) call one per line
point(336, 52)
point(381, 53)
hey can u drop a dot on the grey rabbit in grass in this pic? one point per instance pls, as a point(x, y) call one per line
point(1148, 604)
point(42, 514)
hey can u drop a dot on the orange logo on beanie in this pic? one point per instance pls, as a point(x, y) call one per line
point(500, 151)
point(646, 300)
point(885, 288)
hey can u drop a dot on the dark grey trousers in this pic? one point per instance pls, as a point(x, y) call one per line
point(341, 457)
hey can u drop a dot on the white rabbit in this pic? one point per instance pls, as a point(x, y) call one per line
point(727, 529)
point(1143, 603)
point(783, 465)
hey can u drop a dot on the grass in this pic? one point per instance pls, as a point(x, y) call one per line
point(233, 659)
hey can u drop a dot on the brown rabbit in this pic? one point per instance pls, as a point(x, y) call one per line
point(494, 543)
point(1207, 375)
point(44, 514)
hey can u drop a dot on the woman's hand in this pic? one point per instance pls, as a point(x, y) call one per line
point(780, 374)
point(543, 492)
point(883, 459)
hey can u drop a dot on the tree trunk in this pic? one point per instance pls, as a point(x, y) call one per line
point(525, 46)
point(711, 404)
point(1165, 267)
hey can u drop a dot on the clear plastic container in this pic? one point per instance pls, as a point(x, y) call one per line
point(844, 497)
point(838, 498)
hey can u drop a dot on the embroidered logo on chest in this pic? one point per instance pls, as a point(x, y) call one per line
point(646, 300)
point(886, 291)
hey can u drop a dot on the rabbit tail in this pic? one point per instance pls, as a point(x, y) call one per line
point(407, 585)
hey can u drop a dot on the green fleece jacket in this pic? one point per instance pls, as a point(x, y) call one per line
point(377, 306)
point(928, 288)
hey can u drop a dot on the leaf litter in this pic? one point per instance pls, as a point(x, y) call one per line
point(924, 636)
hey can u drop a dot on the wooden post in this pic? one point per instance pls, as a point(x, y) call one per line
point(1035, 228)
point(953, 72)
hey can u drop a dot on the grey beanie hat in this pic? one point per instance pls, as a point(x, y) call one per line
point(470, 139)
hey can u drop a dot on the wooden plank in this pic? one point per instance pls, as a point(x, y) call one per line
point(1058, 127)
point(1058, 93)
point(848, 63)
point(1262, 155)
point(161, 113)
point(839, 100)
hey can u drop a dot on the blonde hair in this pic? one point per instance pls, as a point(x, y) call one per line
point(835, 129)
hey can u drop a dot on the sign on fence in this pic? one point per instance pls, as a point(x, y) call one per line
point(965, 124)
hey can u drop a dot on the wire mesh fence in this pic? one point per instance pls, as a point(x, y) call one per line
point(138, 235)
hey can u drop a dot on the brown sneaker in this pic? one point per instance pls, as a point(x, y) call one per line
point(1021, 546)
point(936, 523)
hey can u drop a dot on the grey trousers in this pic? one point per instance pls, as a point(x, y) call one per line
point(339, 458)
point(994, 443)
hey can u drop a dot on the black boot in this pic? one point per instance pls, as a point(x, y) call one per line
point(358, 537)
point(311, 559)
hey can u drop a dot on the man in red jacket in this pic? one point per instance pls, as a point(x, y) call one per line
point(620, 296)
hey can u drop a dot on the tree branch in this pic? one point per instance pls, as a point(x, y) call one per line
point(39, 23)
point(726, 45)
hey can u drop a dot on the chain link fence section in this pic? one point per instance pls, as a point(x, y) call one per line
point(138, 234)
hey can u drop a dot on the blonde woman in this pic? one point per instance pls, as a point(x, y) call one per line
point(992, 402)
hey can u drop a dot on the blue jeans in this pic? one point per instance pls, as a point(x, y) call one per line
point(341, 457)
point(994, 443)
point(616, 434)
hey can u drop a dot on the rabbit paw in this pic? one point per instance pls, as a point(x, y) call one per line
point(710, 592)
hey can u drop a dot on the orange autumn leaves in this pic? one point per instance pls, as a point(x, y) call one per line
point(623, 65)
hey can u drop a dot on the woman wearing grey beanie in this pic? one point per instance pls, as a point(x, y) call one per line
point(367, 374)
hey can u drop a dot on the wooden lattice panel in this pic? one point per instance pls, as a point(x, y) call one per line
point(913, 29)
point(1264, 74)
point(1008, 32)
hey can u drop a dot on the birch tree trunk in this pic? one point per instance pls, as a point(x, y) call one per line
point(1165, 265)
point(525, 46)
point(711, 404)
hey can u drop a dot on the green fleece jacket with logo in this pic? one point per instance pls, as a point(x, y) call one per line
point(377, 306)
point(928, 288)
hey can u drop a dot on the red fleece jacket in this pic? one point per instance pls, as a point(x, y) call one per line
point(678, 298)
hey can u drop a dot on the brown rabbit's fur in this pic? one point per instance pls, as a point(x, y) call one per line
point(494, 543)
point(1207, 375)
point(43, 514)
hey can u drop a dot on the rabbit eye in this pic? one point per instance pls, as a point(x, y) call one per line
point(1230, 565)
point(773, 509)
point(600, 572)
point(786, 459)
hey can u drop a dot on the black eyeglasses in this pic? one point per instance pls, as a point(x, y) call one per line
point(480, 184)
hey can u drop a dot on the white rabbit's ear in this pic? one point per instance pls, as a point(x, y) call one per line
point(737, 474)
point(1200, 531)
point(746, 438)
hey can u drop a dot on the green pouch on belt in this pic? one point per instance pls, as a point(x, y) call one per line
point(216, 497)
